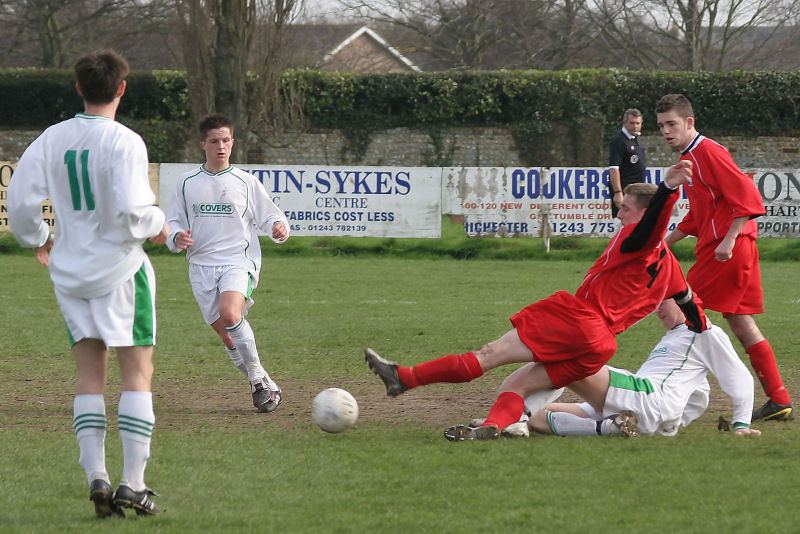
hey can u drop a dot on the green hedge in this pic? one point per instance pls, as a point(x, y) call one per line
point(34, 98)
point(531, 103)
point(750, 103)
point(156, 104)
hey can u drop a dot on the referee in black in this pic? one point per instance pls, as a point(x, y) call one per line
point(626, 158)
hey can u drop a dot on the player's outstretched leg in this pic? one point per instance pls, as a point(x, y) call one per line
point(468, 433)
point(140, 501)
point(102, 495)
point(386, 370)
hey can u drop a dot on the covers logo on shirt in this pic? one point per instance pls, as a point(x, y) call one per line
point(212, 209)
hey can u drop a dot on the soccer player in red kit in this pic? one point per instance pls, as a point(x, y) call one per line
point(723, 201)
point(570, 336)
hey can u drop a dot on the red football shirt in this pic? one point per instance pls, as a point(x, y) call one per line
point(626, 285)
point(719, 193)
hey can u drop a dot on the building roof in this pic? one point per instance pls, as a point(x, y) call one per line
point(345, 47)
point(366, 32)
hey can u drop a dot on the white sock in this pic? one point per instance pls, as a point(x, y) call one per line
point(245, 341)
point(538, 400)
point(567, 424)
point(136, 420)
point(605, 427)
point(89, 422)
point(236, 358)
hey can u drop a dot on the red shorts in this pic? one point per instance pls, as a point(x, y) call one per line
point(567, 335)
point(732, 286)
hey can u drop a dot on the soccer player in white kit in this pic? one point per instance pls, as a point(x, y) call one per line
point(215, 216)
point(94, 170)
point(669, 391)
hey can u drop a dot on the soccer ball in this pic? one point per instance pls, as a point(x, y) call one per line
point(334, 410)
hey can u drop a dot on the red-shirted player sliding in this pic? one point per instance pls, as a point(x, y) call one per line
point(723, 201)
point(570, 337)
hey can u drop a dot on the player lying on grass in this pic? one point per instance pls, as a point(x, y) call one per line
point(571, 337)
point(669, 391)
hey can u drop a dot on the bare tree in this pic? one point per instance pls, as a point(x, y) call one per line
point(687, 34)
point(233, 51)
point(488, 34)
point(456, 33)
point(52, 33)
point(553, 34)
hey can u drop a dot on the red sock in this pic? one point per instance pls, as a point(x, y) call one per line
point(454, 368)
point(763, 361)
point(507, 409)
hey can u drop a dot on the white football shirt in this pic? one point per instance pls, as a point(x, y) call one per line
point(225, 212)
point(94, 170)
point(678, 366)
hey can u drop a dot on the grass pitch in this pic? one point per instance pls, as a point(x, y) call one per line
point(221, 467)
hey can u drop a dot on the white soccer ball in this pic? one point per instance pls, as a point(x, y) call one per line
point(334, 410)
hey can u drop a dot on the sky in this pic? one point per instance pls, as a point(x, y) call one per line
point(328, 9)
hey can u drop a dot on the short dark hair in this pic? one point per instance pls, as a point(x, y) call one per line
point(99, 74)
point(212, 122)
point(631, 112)
point(676, 102)
point(642, 191)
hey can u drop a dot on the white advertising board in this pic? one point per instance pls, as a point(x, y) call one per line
point(574, 201)
point(493, 201)
point(345, 201)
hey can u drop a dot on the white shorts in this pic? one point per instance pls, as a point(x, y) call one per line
point(126, 317)
point(208, 281)
point(655, 412)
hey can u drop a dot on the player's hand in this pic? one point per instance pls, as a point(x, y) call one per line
point(679, 174)
point(724, 250)
point(746, 432)
point(279, 231)
point(696, 320)
point(184, 239)
point(42, 253)
point(695, 316)
point(161, 238)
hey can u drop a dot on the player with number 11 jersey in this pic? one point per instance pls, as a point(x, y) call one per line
point(107, 222)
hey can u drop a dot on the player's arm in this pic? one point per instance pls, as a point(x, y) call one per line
point(695, 315)
point(26, 191)
point(724, 250)
point(161, 237)
point(42, 254)
point(615, 182)
point(684, 228)
point(675, 236)
point(268, 217)
point(650, 229)
point(133, 198)
point(737, 189)
point(180, 235)
point(615, 157)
